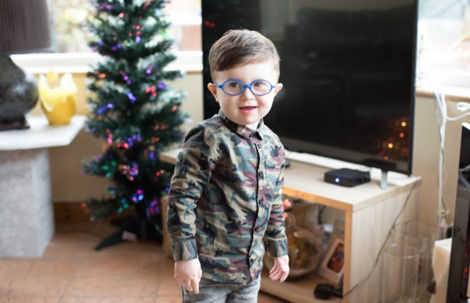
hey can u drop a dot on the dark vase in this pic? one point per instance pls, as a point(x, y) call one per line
point(18, 95)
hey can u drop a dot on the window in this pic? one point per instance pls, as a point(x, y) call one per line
point(185, 16)
point(71, 34)
point(444, 43)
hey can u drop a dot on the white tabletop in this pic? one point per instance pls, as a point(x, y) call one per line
point(41, 134)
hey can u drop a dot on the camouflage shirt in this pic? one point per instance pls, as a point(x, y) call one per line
point(226, 200)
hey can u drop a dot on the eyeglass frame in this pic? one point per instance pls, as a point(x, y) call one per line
point(244, 86)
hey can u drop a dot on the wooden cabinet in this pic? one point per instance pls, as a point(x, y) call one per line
point(369, 213)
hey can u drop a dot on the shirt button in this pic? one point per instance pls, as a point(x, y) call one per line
point(260, 175)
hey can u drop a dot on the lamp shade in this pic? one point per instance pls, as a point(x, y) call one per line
point(24, 26)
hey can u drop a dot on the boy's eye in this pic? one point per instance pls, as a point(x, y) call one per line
point(260, 84)
point(233, 84)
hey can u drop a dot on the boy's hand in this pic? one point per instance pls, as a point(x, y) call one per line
point(188, 273)
point(280, 270)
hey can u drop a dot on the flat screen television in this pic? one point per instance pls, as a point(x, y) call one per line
point(348, 69)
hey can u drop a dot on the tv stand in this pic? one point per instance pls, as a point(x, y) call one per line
point(369, 213)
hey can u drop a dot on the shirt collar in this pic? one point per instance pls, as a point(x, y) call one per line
point(242, 130)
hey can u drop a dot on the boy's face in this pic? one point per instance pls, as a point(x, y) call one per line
point(246, 109)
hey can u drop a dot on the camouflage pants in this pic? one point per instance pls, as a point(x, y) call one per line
point(224, 293)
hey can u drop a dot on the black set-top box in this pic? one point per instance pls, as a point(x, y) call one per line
point(347, 177)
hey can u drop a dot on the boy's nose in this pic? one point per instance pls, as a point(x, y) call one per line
point(247, 93)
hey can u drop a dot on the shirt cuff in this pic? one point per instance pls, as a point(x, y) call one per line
point(184, 249)
point(276, 248)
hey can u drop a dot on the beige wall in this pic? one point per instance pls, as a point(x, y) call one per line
point(69, 184)
point(426, 156)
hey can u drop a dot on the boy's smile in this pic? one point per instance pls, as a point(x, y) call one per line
point(246, 109)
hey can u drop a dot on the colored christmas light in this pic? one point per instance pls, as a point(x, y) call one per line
point(124, 205)
point(133, 139)
point(161, 85)
point(149, 70)
point(116, 47)
point(153, 208)
point(152, 90)
point(125, 77)
point(102, 109)
point(130, 171)
point(122, 145)
point(209, 24)
point(106, 6)
point(131, 97)
point(138, 196)
point(109, 139)
point(98, 47)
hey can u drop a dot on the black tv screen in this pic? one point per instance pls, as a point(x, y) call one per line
point(348, 69)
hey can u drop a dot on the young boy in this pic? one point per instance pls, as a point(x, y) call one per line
point(226, 191)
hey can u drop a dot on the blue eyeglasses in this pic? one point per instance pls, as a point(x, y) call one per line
point(235, 87)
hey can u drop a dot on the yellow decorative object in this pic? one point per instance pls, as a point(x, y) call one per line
point(58, 103)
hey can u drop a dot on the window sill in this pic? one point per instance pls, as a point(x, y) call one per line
point(452, 93)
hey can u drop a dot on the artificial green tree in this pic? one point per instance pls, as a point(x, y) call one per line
point(134, 110)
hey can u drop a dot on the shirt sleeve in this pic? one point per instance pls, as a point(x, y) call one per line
point(192, 172)
point(275, 239)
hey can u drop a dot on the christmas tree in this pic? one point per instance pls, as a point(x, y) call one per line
point(134, 111)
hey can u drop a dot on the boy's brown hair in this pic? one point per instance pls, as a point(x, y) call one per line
point(241, 46)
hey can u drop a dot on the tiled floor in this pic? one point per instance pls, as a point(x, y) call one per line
point(71, 271)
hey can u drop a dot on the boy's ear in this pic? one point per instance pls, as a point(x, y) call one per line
point(278, 88)
point(213, 89)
